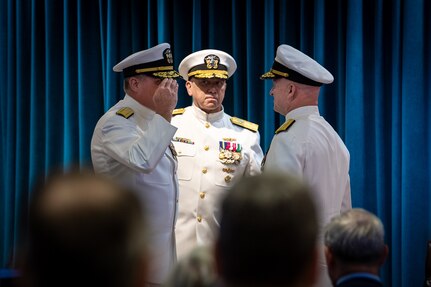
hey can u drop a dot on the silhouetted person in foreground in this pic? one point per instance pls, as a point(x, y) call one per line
point(85, 231)
point(268, 234)
point(196, 269)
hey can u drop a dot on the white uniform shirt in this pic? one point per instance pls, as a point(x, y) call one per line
point(313, 151)
point(135, 152)
point(203, 178)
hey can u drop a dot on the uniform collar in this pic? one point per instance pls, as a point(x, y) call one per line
point(138, 108)
point(303, 111)
point(203, 116)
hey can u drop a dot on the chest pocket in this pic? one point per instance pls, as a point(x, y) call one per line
point(186, 154)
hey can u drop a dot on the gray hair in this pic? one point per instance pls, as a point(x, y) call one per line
point(356, 236)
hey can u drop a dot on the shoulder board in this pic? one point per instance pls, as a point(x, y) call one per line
point(178, 111)
point(284, 127)
point(125, 112)
point(245, 124)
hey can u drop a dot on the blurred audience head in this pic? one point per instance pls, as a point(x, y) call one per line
point(195, 270)
point(268, 233)
point(354, 242)
point(84, 230)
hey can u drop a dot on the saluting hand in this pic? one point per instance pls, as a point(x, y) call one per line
point(166, 97)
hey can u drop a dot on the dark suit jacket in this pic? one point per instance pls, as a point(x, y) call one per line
point(359, 280)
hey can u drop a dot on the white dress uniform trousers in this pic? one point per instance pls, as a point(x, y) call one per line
point(313, 151)
point(204, 177)
point(135, 151)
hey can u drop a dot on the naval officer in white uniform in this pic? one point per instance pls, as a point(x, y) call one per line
point(214, 149)
point(132, 144)
point(306, 145)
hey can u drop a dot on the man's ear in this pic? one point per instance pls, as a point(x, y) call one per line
point(291, 90)
point(133, 83)
point(384, 255)
point(331, 262)
point(328, 255)
point(189, 87)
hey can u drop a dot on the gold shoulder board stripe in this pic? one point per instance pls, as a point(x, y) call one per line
point(284, 127)
point(245, 124)
point(125, 112)
point(178, 111)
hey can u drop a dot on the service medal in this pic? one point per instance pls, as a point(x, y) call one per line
point(230, 152)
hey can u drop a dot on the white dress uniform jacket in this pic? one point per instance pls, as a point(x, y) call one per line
point(203, 177)
point(135, 152)
point(312, 150)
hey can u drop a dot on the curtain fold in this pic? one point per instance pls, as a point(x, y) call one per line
point(56, 80)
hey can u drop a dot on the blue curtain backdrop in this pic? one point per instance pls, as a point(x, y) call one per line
point(56, 80)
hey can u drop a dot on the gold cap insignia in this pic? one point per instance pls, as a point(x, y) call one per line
point(212, 61)
point(167, 54)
